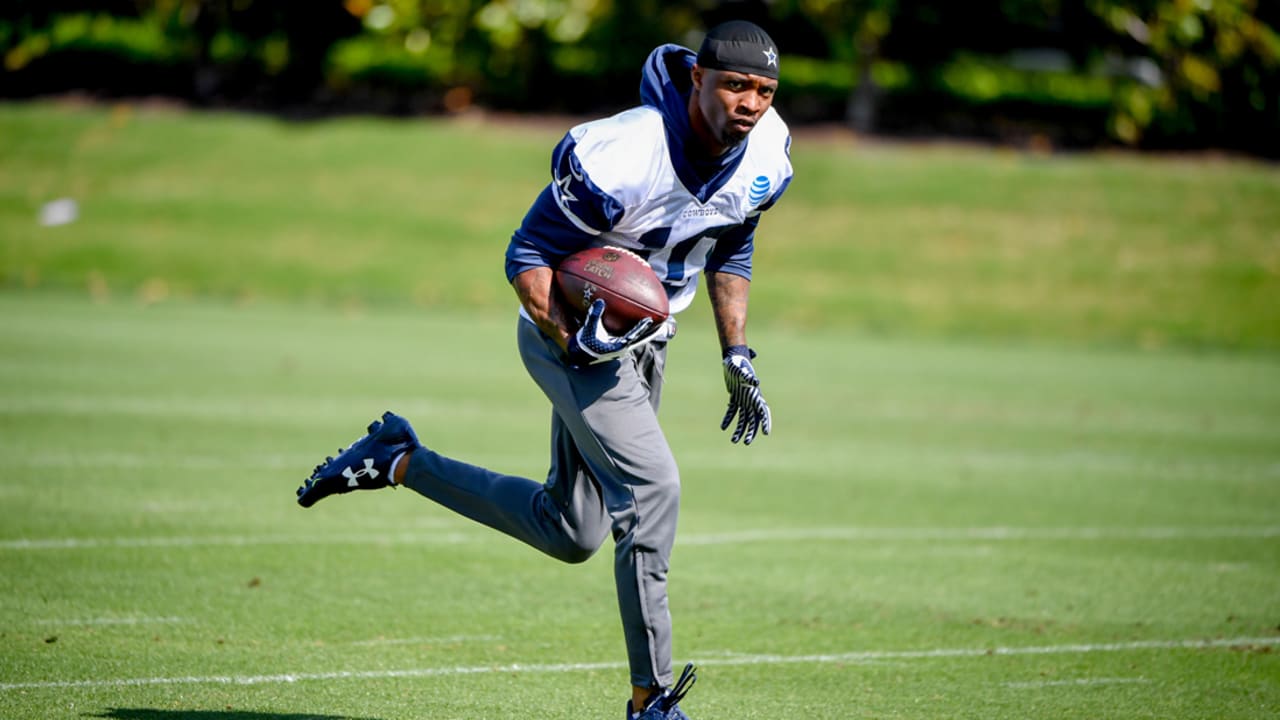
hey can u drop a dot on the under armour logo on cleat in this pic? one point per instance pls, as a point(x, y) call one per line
point(353, 476)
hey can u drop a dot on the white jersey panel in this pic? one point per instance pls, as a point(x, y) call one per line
point(627, 157)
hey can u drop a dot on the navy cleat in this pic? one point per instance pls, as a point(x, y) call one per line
point(366, 465)
point(665, 705)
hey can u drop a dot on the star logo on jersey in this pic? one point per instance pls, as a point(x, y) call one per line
point(770, 57)
point(564, 195)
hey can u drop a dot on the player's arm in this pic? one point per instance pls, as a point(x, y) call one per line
point(591, 343)
point(534, 288)
point(728, 274)
point(568, 215)
point(729, 294)
point(729, 285)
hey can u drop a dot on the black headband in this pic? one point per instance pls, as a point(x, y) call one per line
point(739, 46)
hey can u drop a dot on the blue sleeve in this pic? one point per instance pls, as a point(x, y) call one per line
point(733, 249)
point(566, 216)
point(544, 238)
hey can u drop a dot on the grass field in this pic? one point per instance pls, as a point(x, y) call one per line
point(934, 530)
point(939, 241)
point(1026, 459)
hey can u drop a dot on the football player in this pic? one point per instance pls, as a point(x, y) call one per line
point(682, 181)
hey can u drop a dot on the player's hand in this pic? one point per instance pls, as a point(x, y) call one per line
point(594, 344)
point(745, 400)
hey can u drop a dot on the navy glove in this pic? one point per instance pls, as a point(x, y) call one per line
point(593, 344)
point(745, 399)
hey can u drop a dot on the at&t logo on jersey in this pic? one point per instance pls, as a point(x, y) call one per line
point(759, 191)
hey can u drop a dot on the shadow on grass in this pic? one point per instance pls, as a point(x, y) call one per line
point(151, 714)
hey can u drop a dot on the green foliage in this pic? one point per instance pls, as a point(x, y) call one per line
point(988, 80)
point(139, 40)
point(369, 61)
point(1217, 59)
point(1151, 72)
point(804, 75)
point(409, 44)
point(1211, 68)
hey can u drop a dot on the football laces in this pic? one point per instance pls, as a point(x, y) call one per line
point(625, 251)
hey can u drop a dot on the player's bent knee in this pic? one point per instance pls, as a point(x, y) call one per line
point(659, 498)
point(575, 552)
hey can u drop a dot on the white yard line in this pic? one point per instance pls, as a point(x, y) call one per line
point(864, 656)
point(126, 620)
point(445, 640)
point(981, 533)
point(851, 534)
point(1076, 682)
point(183, 541)
point(137, 461)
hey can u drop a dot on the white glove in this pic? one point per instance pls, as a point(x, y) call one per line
point(745, 399)
point(594, 344)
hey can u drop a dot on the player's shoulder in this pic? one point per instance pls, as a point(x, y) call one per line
point(630, 131)
point(767, 164)
point(772, 135)
point(620, 153)
point(769, 151)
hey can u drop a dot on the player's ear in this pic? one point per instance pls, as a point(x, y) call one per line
point(695, 74)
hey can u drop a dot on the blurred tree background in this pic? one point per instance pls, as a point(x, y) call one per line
point(1156, 74)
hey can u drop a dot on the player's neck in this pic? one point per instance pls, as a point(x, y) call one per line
point(708, 144)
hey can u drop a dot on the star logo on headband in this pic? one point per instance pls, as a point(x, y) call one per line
point(771, 57)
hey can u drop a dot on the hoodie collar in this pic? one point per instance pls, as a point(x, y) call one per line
point(665, 86)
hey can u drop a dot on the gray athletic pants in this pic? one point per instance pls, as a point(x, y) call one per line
point(611, 469)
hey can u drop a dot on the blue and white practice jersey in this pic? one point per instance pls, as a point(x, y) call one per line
point(627, 181)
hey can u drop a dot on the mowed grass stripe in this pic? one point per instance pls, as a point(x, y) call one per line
point(854, 657)
point(693, 539)
point(880, 455)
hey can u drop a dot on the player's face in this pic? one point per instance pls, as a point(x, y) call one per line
point(729, 105)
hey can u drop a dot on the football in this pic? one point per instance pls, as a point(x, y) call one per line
point(629, 287)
